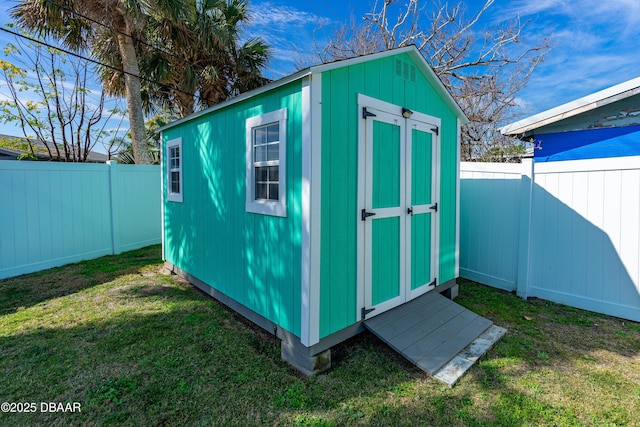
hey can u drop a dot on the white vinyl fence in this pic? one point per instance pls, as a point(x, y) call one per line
point(564, 231)
point(57, 213)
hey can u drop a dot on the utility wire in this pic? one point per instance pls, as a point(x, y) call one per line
point(75, 12)
point(329, 9)
point(100, 63)
point(132, 37)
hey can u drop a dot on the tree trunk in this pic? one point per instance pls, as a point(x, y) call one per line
point(134, 100)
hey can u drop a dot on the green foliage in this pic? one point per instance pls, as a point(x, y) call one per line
point(138, 347)
point(124, 150)
point(19, 144)
point(509, 151)
point(202, 60)
point(49, 99)
point(113, 390)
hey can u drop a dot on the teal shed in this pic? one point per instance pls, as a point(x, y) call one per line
point(318, 200)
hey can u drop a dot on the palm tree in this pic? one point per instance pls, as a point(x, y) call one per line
point(200, 62)
point(121, 20)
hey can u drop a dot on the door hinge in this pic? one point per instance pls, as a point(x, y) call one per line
point(434, 207)
point(434, 283)
point(364, 214)
point(410, 210)
point(366, 113)
point(436, 130)
point(366, 311)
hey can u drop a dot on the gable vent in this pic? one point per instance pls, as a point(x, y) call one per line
point(405, 71)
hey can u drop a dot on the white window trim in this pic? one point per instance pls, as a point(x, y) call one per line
point(267, 207)
point(173, 197)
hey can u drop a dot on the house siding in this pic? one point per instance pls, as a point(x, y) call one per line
point(254, 259)
point(339, 219)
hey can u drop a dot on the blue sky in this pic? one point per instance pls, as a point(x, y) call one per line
point(595, 42)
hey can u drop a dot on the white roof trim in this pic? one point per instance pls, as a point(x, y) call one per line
point(573, 108)
point(246, 95)
point(411, 50)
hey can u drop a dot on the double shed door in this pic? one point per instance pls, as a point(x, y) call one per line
point(399, 211)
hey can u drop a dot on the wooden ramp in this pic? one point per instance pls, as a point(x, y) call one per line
point(437, 335)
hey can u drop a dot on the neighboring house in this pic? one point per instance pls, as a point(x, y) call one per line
point(319, 200)
point(12, 147)
point(603, 124)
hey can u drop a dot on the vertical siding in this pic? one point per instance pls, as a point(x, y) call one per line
point(58, 213)
point(377, 79)
point(339, 203)
point(252, 258)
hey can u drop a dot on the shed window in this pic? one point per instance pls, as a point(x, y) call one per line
point(266, 163)
point(174, 170)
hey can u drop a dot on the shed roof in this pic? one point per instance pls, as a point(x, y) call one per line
point(573, 108)
point(411, 50)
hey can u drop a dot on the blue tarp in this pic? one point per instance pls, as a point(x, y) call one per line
point(587, 144)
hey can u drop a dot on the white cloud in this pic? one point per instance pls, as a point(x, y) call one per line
point(527, 7)
point(590, 12)
point(288, 30)
point(270, 14)
point(594, 46)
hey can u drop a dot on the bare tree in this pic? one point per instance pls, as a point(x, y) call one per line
point(123, 20)
point(50, 101)
point(483, 69)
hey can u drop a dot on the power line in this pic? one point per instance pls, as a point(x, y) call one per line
point(132, 37)
point(330, 10)
point(100, 63)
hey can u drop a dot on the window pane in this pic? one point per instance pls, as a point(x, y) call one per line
point(261, 174)
point(261, 191)
point(273, 191)
point(260, 154)
point(174, 157)
point(273, 133)
point(175, 182)
point(273, 173)
point(273, 151)
point(260, 135)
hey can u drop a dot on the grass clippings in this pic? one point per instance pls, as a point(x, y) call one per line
point(134, 346)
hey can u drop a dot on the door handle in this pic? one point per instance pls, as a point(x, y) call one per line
point(364, 214)
point(410, 210)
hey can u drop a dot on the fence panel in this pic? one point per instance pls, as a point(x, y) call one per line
point(585, 235)
point(578, 238)
point(56, 213)
point(136, 207)
point(490, 196)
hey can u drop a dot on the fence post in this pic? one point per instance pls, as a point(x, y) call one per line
point(115, 220)
point(524, 240)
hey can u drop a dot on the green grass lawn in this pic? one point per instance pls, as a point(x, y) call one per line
point(136, 347)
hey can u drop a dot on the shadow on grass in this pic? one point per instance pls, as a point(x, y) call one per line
point(172, 367)
point(154, 351)
point(31, 289)
point(194, 367)
point(537, 323)
point(556, 366)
